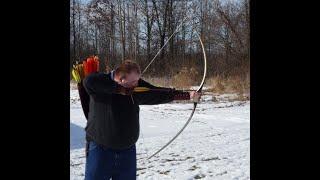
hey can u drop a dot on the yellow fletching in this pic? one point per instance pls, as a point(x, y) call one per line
point(76, 76)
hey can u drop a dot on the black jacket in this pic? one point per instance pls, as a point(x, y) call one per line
point(113, 119)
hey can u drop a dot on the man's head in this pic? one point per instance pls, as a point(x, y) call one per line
point(127, 74)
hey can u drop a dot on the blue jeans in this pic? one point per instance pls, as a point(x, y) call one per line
point(104, 163)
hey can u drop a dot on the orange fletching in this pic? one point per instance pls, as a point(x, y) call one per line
point(85, 68)
point(97, 65)
point(89, 62)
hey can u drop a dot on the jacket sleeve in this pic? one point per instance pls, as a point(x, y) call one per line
point(84, 99)
point(99, 84)
point(154, 97)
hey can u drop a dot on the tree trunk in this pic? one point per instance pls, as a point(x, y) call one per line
point(149, 26)
point(74, 30)
point(136, 47)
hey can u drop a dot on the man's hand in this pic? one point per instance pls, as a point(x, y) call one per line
point(195, 96)
point(124, 91)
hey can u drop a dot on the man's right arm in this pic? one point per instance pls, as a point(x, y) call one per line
point(101, 84)
point(97, 84)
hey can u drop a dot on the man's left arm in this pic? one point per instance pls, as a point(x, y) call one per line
point(159, 95)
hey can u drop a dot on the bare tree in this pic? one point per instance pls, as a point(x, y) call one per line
point(74, 29)
point(119, 29)
point(162, 27)
point(136, 27)
point(149, 24)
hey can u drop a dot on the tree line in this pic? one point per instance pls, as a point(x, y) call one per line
point(116, 30)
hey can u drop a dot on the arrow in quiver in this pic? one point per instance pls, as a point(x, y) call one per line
point(79, 72)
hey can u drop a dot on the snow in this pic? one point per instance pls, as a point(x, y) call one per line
point(215, 145)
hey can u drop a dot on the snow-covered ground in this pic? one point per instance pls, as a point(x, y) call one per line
point(215, 145)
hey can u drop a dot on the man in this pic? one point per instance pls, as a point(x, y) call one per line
point(113, 120)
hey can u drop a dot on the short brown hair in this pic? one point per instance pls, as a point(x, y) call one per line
point(127, 67)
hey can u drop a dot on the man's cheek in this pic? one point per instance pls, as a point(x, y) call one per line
point(134, 85)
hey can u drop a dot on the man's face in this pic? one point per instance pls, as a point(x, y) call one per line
point(130, 80)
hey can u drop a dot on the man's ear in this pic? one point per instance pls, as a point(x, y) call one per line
point(122, 77)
